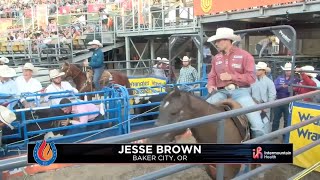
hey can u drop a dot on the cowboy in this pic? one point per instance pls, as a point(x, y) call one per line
point(188, 74)
point(6, 118)
point(26, 83)
point(7, 85)
point(265, 43)
point(3, 60)
point(165, 65)
point(282, 83)
point(96, 63)
point(57, 85)
point(80, 109)
point(157, 62)
point(263, 90)
point(307, 79)
point(232, 73)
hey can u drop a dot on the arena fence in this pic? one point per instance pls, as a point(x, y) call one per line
point(22, 160)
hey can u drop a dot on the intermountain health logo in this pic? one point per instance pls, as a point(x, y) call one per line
point(206, 5)
point(45, 153)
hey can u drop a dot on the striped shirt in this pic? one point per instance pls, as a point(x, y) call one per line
point(187, 75)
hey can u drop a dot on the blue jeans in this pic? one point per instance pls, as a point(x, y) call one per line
point(242, 96)
point(97, 72)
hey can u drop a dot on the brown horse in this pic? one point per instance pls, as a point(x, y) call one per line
point(84, 82)
point(179, 106)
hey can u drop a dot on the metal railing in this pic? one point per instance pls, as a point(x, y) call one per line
point(22, 161)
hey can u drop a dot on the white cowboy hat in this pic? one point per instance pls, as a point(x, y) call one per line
point(287, 67)
point(7, 116)
point(224, 33)
point(158, 58)
point(29, 66)
point(7, 72)
point(54, 73)
point(165, 60)
point(263, 65)
point(95, 42)
point(4, 60)
point(309, 68)
point(185, 58)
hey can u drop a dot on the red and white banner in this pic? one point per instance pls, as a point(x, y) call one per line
point(92, 8)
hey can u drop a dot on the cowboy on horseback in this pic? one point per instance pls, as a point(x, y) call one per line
point(232, 73)
point(96, 63)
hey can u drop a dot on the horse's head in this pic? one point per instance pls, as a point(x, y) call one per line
point(66, 69)
point(175, 107)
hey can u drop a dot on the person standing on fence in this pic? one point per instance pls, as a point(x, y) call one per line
point(265, 44)
point(282, 83)
point(232, 73)
point(96, 63)
point(307, 79)
point(57, 85)
point(188, 74)
point(263, 90)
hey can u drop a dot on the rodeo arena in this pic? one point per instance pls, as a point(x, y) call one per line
point(159, 72)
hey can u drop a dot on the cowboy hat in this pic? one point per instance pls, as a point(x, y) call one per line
point(185, 58)
point(54, 73)
point(224, 33)
point(263, 65)
point(309, 68)
point(287, 67)
point(95, 42)
point(4, 60)
point(7, 116)
point(158, 58)
point(7, 72)
point(165, 60)
point(29, 66)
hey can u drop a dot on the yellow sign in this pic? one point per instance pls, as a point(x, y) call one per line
point(206, 5)
point(146, 82)
point(305, 135)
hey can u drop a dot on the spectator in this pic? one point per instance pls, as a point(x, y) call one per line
point(188, 74)
point(307, 79)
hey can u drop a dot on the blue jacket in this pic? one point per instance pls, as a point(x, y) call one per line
point(97, 59)
point(281, 91)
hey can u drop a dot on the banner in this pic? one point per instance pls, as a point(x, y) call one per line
point(93, 8)
point(303, 136)
point(42, 16)
point(5, 24)
point(285, 36)
point(205, 7)
point(64, 10)
point(146, 82)
point(45, 154)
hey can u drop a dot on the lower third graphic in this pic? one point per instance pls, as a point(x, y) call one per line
point(45, 153)
point(257, 153)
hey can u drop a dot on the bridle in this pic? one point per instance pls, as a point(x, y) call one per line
point(67, 72)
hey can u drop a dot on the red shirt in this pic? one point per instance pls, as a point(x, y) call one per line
point(306, 81)
point(239, 63)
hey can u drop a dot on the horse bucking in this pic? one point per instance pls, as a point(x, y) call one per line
point(83, 80)
point(180, 106)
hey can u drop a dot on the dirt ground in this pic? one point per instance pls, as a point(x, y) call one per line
point(123, 172)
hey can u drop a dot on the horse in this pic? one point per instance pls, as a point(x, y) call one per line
point(33, 115)
point(83, 80)
point(179, 106)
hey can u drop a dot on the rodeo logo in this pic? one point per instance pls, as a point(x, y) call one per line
point(206, 5)
point(45, 153)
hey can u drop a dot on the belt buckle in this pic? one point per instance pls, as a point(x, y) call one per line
point(230, 87)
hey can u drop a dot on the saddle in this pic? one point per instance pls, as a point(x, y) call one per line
point(105, 78)
point(241, 121)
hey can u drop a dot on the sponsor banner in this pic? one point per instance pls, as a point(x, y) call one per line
point(205, 7)
point(303, 136)
point(146, 82)
point(286, 37)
